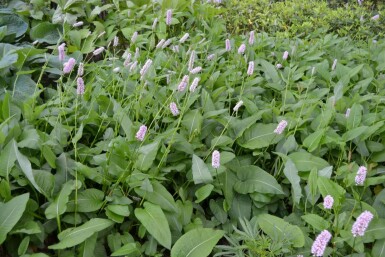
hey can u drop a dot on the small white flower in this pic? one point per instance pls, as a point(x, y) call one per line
point(78, 24)
point(237, 106)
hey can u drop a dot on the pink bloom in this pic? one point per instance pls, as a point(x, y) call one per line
point(133, 66)
point(137, 53)
point(174, 109)
point(196, 70)
point(361, 175)
point(175, 49)
point(334, 64)
point(141, 133)
point(98, 51)
point(228, 45)
point(61, 52)
point(362, 223)
point(191, 60)
point(68, 66)
point(237, 106)
point(210, 57)
point(184, 38)
point(241, 49)
point(166, 44)
point(134, 37)
point(216, 159)
point(154, 23)
point(81, 69)
point(128, 59)
point(194, 84)
point(278, 66)
point(250, 69)
point(375, 17)
point(80, 88)
point(160, 44)
point(251, 38)
point(78, 24)
point(183, 84)
point(328, 202)
point(281, 126)
point(347, 113)
point(168, 17)
point(320, 243)
point(116, 41)
point(145, 68)
point(285, 55)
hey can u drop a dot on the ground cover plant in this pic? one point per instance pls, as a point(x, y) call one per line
point(153, 130)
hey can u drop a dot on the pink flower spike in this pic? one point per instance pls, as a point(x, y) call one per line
point(168, 17)
point(334, 64)
point(228, 45)
point(81, 69)
point(184, 38)
point(278, 66)
point(134, 37)
point(361, 176)
point(160, 44)
point(347, 113)
point(116, 41)
point(320, 243)
point(183, 84)
point(80, 84)
point(145, 68)
point(141, 133)
point(154, 23)
point(251, 38)
point(237, 106)
point(174, 109)
point(281, 126)
point(362, 223)
point(285, 55)
point(216, 157)
point(191, 60)
point(194, 84)
point(166, 44)
point(241, 49)
point(61, 52)
point(98, 51)
point(196, 70)
point(78, 24)
point(328, 202)
point(210, 57)
point(250, 69)
point(375, 17)
point(68, 66)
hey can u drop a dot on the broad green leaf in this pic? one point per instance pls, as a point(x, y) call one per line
point(10, 213)
point(354, 133)
point(192, 121)
point(88, 247)
point(312, 141)
point(198, 242)
point(46, 182)
point(280, 230)
point(237, 127)
point(240, 207)
point(147, 154)
point(316, 221)
point(305, 161)
point(25, 166)
point(270, 71)
point(354, 119)
point(8, 59)
point(15, 24)
point(77, 235)
point(7, 159)
point(126, 249)
point(217, 209)
point(154, 220)
point(88, 200)
point(203, 192)
point(259, 136)
point(328, 187)
point(291, 174)
point(378, 249)
point(254, 179)
point(375, 230)
point(59, 205)
point(23, 247)
point(200, 171)
point(46, 32)
point(160, 196)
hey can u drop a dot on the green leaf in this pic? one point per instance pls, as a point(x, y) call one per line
point(254, 179)
point(291, 174)
point(77, 235)
point(23, 247)
point(10, 213)
point(259, 136)
point(378, 249)
point(88, 247)
point(280, 230)
point(305, 161)
point(354, 133)
point(237, 127)
point(192, 121)
point(46, 32)
point(200, 171)
point(8, 59)
point(159, 196)
point(328, 187)
point(126, 249)
point(198, 242)
point(154, 220)
point(15, 24)
point(316, 221)
point(7, 159)
point(59, 205)
point(203, 192)
point(375, 230)
point(355, 117)
point(147, 154)
point(46, 182)
point(312, 141)
point(88, 200)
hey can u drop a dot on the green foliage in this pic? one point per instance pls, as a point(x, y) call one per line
point(77, 178)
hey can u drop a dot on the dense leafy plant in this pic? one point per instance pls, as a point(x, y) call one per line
point(137, 139)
